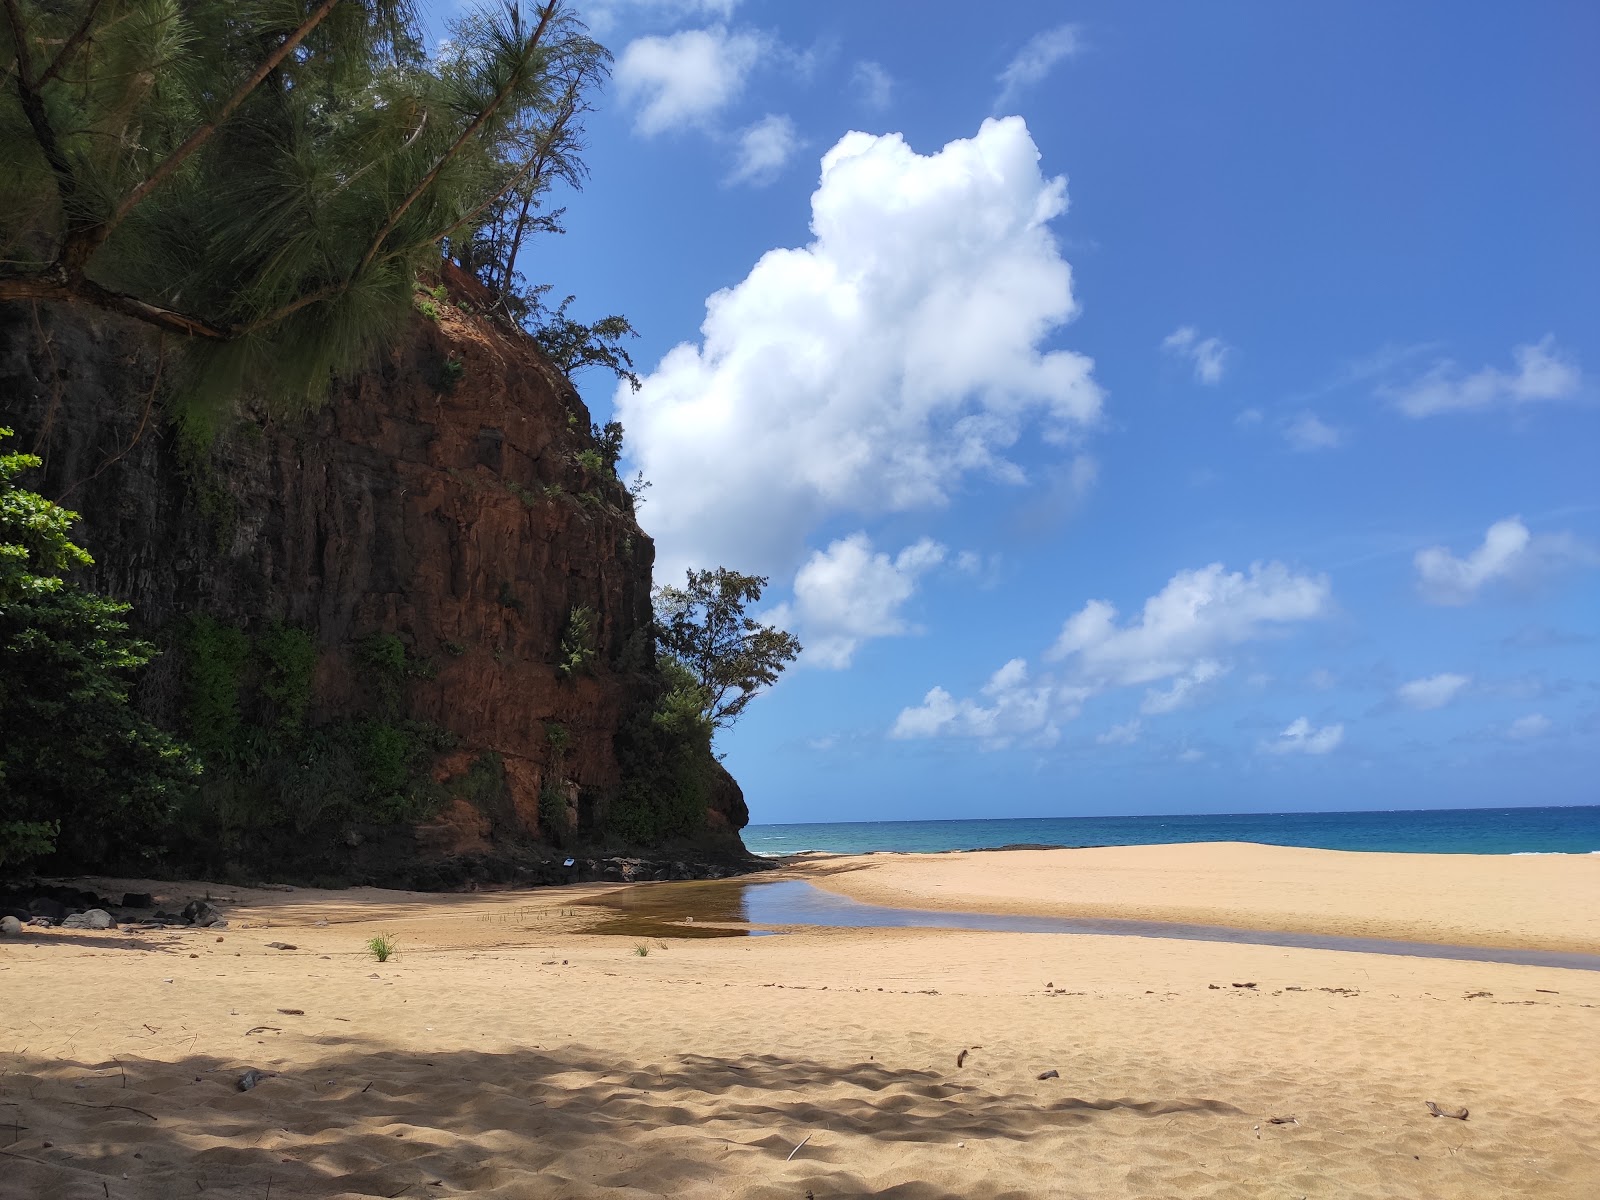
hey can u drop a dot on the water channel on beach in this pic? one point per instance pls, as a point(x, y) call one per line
point(746, 908)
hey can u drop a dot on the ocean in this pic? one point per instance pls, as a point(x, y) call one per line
point(1433, 831)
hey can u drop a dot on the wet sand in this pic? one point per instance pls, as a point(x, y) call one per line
point(507, 1052)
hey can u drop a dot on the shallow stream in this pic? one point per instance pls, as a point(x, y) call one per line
point(746, 908)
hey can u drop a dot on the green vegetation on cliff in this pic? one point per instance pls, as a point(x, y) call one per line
point(81, 771)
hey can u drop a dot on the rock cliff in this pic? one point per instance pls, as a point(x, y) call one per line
point(448, 500)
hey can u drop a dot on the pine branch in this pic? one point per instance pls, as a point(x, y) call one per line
point(455, 148)
point(80, 290)
point(81, 244)
point(33, 108)
point(71, 46)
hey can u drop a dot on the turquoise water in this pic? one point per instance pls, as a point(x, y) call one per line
point(1434, 831)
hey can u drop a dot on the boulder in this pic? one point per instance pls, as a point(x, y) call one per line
point(43, 906)
point(98, 918)
point(10, 925)
point(201, 913)
point(138, 900)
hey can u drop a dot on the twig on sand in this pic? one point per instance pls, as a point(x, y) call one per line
point(796, 1150)
point(961, 1060)
point(124, 1107)
point(1283, 1120)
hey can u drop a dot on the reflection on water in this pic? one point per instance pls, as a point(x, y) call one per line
point(732, 907)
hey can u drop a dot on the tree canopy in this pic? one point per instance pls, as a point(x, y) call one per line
point(263, 179)
point(731, 656)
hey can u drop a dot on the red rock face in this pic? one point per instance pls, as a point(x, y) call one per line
point(455, 515)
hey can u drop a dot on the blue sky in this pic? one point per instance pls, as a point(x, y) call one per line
point(1137, 408)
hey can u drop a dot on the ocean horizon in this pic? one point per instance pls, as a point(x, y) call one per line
point(1549, 830)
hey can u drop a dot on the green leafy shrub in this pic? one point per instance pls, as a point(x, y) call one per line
point(577, 649)
point(591, 461)
point(82, 773)
point(664, 750)
point(381, 946)
point(289, 659)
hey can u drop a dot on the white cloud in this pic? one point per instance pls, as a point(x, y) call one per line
point(1035, 60)
point(849, 593)
point(1121, 735)
point(1248, 418)
point(603, 16)
point(683, 79)
point(1185, 625)
point(874, 369)
point(1191, 755)
point(1435, 691)
point(873, 85)
point(1013, 706)
point(1510, 553)
point(1301, 737)
point(1525, 729)
point(1182, 689)
point(1178, 639)
point(764, 149)
point(1206, 355)
point(1543, 372)
point(1310, 432)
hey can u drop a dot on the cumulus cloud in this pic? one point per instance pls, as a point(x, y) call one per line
point(1036, 60)
point(1177, 640)
point(1435, 691)
point(1543, 372)
point(849, 593)
point(1301, 737)
point(684, 79)
point(873, 85)
point(1307, 432)
point(1121, 735)
point(1510, 553)
point(764, 149)
point(1182, 628)
point(874, 369)
point(1011, 706)
point(1205, 355)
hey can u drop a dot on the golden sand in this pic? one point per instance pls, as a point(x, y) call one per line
point(505, 1053)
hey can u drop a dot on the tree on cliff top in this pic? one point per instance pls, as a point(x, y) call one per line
point(80, 770)
point(704, 629)
point(263, 179)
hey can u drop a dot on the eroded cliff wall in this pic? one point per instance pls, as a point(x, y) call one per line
point(444, 497)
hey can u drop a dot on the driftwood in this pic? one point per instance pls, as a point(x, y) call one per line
point(1460, 1114)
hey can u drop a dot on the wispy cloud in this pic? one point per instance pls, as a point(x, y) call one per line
point(765, 148)
point(1301, 737)
point(1035, 61)
point(1306, 432)
point(1543, 372)
point(1205, 355)
point(873, 85)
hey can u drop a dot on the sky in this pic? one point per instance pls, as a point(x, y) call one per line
point(1136, 408)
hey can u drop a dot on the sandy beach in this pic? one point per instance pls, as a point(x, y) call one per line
point(506, 1052)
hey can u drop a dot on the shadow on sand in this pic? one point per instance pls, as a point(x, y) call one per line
point(362, 1121)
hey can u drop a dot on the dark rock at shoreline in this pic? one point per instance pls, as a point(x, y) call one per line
point(138, 900)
